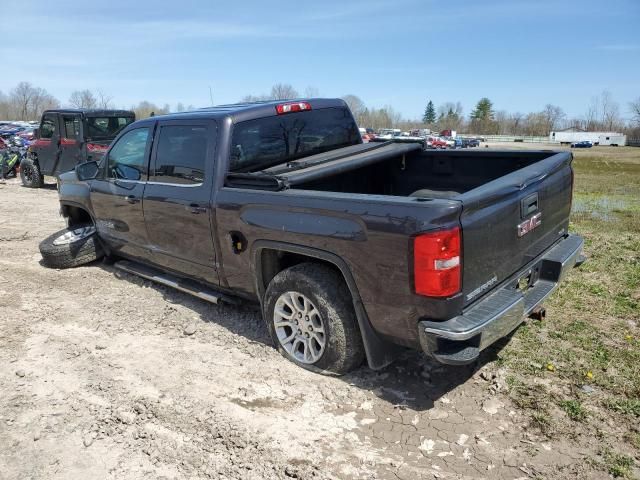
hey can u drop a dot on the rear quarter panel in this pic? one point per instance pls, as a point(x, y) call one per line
point(372, 234)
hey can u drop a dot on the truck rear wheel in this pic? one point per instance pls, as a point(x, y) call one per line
point(309, 313)
point(30, 174)
point(71, 247)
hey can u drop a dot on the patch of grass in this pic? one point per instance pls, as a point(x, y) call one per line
point(618, 465)
point(592, 331)
point(574, 410)
point(630, 406)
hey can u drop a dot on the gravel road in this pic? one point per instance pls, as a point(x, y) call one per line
point(107, 376)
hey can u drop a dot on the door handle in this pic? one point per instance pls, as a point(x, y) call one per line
point(196, 209)
point(132, 199)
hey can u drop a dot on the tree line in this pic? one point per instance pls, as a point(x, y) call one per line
point(27, 102)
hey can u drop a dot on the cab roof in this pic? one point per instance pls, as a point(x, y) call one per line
point(93, 112)
point(239, 112)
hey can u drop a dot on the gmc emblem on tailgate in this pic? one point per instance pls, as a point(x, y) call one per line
point(529, 224)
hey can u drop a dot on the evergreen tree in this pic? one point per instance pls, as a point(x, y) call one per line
point(429, 114)
point(483, 110)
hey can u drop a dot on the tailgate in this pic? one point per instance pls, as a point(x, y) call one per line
point(508, 222)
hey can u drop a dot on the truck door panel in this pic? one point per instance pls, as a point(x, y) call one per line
point(48, 143)
point(117, 196)
point(177, 198)
point(70, 143)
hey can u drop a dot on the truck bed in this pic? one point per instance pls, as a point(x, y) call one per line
point(497, 190)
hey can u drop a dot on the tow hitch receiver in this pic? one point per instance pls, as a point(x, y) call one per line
point(538, 313)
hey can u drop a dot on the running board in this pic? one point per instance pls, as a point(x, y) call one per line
point(182, 284)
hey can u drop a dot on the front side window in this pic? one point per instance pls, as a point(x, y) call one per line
point(71, 126)
point(181, 154)
point(264, 142)
point(48, 127)
point(106, 128)
point(127, 159)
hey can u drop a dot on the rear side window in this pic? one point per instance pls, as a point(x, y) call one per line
point(71, 126)
point(181, 154)
point(127, 159)
point(106, 128)
point(48, 127)
point(264, 142)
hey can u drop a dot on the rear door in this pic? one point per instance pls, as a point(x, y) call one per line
point(48, 144)
point(116, 196)
point(70, 143)
point(177, 198)
point(508, 222)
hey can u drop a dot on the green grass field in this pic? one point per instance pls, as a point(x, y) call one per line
point(578, 372)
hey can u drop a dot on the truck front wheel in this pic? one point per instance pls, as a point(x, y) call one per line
point(30, 174)
point(71, 247)
point(310, 316)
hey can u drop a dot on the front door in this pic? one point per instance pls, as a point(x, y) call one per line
point(47, 145)
point(177, 198)
point(70, 147)
point(117, 195)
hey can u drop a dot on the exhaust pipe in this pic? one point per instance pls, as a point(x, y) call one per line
point(538, 313)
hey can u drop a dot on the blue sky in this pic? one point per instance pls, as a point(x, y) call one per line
point(520, 54)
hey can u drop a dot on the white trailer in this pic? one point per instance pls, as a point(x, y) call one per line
point(597, 138)
point(613, 139)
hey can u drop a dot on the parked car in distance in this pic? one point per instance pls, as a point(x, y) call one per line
point(466, 244)
point(470, 142)
point(583, 144)
point(68, 137)
point(436, 143)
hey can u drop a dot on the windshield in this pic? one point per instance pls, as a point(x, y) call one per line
point(106, 128)
point(264, 142)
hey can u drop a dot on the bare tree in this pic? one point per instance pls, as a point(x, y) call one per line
point(283, 91)
point(553, 115)
point(103, 100)
point(27, 102)
point(82, 99)
point(311, 92)
point(356, 105)
point(610, 111)
point(145, 109)
point(4, 107)
point(634, 106)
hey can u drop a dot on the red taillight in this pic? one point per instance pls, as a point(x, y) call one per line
point(96, 148)
point(436, 263)
point(292, 107)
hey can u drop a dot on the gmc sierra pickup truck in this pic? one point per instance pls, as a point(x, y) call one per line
point(353, 251)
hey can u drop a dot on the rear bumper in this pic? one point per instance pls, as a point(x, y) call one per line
point(460, 340)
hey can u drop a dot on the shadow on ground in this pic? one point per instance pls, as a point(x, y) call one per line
point(412, 381)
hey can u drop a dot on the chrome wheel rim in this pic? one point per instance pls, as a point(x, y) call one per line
point(299, 327)
point(75, 235)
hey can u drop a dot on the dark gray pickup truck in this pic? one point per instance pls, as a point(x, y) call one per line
point(353, 250)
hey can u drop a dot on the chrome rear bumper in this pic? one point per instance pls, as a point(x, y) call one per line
point(460, 340)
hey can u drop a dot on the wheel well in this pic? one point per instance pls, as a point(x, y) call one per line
point(75, 215)
point(271, 260)
point(274, 261)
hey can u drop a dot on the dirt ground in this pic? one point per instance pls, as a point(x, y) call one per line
point(100, 378)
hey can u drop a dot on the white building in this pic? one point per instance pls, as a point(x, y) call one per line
point(572, 135)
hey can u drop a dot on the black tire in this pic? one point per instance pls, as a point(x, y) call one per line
point(80, 252)
point(327, 290)
point(30, 174)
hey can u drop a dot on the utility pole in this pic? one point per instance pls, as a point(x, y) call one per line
point(211, 95)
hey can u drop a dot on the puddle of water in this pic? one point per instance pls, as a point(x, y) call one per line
point(603, 207)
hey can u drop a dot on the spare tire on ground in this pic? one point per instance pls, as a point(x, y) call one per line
point(71, 247)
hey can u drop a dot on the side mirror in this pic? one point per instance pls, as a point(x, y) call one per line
point(87, 171)
point(36, 133)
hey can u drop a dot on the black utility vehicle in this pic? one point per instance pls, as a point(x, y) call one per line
point(353, 250)
point(68, 137)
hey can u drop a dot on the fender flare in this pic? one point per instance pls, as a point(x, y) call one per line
point(378, 351)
